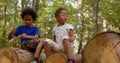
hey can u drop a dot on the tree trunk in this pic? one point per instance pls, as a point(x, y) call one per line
point(33, 4)
point(95, 15)
point(56, 58)
point(16, 55)
point(37, 6)
point(13, 55)
point(23, 4)
point(103, 48)
point(5, 21)
point(62, 58)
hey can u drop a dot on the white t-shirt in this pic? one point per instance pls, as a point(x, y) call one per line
point(62, 32)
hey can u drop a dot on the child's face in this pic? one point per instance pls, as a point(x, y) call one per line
point(62, 18)
point(28, 20)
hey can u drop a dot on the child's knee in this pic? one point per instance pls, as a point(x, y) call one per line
point(42, 39)
point(65, 41)
point(46, 43)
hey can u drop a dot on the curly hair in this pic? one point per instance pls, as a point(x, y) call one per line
point(29, 11)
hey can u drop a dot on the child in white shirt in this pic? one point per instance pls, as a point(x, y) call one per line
point(63, 36)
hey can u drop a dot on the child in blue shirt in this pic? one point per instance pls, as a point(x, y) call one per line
point(28, 33)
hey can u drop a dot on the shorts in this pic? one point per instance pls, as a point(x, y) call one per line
point(30, 45)
point(56, 47)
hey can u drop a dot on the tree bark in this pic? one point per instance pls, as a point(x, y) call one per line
point(4, 24)
point(95, 16)
point(23, 3)
point(37, 6)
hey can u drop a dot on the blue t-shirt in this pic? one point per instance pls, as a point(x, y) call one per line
point(31, 31)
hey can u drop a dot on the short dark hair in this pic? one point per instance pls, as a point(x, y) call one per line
point(29, 11)
point(57, 12)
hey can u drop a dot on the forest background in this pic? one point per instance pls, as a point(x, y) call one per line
point(89, 17)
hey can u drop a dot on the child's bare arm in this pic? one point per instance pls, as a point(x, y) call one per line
point(71, 35)
point(29, 37)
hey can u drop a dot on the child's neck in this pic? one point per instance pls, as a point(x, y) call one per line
point(60, 24)
point(29, 25)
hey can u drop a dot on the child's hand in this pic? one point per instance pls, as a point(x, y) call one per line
point(23, 35)
point(13, 30)
point(11, 35)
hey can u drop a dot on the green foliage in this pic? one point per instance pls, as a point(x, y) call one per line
point(110, 11)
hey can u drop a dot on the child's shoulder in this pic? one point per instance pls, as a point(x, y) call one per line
point(26, 26)
point(23, 26)
point(34, 26)
point(55, 25)
point(19, 26)
point(68, 24)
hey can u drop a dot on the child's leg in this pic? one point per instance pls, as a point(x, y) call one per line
point(68, 50)
point(47, 48)
point(39, 49)
point(50, 45)
point(67, 47)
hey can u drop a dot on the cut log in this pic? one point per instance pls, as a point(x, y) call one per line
point(23, 55)
point(14, 55)
point(62, 58)
point(17, 55)
point(56, 58)
point(103, 48)
point(6, 54)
